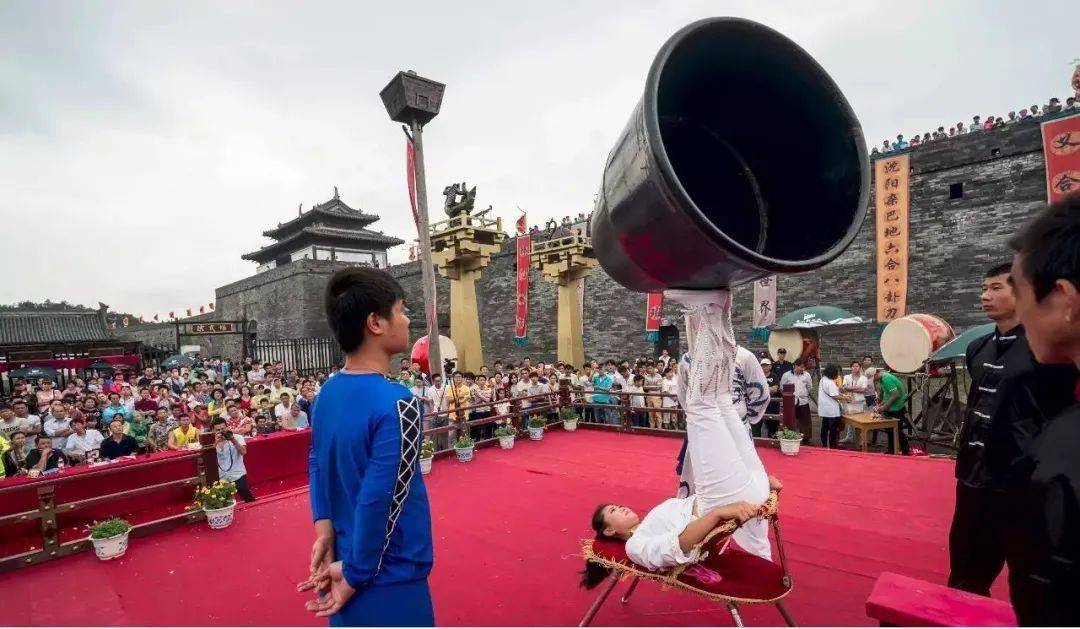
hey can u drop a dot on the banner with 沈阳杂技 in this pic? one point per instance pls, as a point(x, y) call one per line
point(523, 246)
point(1061, 149)
point(892, 200)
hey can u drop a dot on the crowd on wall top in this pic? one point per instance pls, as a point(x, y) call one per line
point(1033, 113)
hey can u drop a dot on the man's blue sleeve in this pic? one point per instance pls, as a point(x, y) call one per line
point(320, 498)
point(395, 448)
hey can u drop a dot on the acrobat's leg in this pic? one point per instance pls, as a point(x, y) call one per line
point(734, 611)
point(785, 613)
point(614, 580)
point(630, 590)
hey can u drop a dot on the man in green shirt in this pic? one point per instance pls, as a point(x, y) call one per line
point(893, 397)
point(138, 427)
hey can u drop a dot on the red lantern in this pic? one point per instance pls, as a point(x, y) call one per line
point(419, 353)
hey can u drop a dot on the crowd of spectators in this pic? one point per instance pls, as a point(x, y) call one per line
point(1033, 113)
point(45, 428)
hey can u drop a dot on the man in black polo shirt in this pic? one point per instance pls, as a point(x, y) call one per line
point(782, 364)
point(118, 444)
point(1011, 399)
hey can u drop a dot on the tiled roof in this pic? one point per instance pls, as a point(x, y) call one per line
point(333, 207)
point(355, 235)
point(35, 328)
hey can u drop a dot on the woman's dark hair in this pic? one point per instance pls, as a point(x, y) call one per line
point(594, 573)
point(1049, 246)
point(352, 295)
point(831, 371)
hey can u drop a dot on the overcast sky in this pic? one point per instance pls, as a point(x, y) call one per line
point(144, 146)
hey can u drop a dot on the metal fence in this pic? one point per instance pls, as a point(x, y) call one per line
point(305, 355)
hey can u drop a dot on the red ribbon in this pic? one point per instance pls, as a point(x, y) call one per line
point(521, 314)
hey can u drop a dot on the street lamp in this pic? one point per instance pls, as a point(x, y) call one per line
point(413, 100)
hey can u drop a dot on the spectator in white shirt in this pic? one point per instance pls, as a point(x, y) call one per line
point(856, 384)
point(637, 417)
point(282, 409)
point(803, 384)
point(31, 424)
point(669, 385)
point(829, 406)
point(81, 441)
point(58, 426)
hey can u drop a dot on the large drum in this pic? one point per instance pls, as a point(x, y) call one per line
point(799, 342)
point(907, 342)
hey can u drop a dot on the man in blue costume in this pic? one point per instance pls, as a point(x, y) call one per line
point(373, 550)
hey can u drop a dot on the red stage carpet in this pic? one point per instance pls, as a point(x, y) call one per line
point(507, 530)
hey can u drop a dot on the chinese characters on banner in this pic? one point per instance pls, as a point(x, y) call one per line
point(1061, 148)
point(765, 302)
point(654, 308)
point(523, 245)
point(892, 200)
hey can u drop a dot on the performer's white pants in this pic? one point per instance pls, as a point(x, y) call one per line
point(722, 467)
point(721, 464)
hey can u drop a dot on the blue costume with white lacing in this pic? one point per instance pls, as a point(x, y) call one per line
point(365, 479)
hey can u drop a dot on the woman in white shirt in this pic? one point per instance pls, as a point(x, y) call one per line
point(828, 406)
point(670, 385)
point(857, 385)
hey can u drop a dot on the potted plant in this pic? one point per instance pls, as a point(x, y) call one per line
point(110, 538)
point(427, 454)
point(463, 447)
point(569, 419)
point(536, 427)
point(506, 433)
point(218, 502)
point(789, 441)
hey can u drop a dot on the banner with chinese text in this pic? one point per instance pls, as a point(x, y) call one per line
point(765, 302)
point(654, 308)
point(892, 202)
point(523, 246)
point(1061, 148)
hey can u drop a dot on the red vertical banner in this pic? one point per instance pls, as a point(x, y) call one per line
point(654, 308)
point(410, 176)
point(521, 314)
point(1061, 149)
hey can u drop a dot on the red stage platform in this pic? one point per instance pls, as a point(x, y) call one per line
point(507, 530)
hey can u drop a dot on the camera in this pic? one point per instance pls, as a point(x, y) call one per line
point(226, 434)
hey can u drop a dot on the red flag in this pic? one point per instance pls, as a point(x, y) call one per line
point(654, 307)
point(410, 177)
point(522, 225)
point(171, 315)
point(521, 314)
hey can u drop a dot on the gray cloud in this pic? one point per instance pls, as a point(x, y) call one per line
point(145, 146)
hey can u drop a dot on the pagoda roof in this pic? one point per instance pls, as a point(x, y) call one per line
point(317, 233)
point(335, 208)
point(45, 327)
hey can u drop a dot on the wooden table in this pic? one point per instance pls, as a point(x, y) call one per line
point(866, 421)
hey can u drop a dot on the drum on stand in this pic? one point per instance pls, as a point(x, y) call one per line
point(799, 343)
point(907, 342)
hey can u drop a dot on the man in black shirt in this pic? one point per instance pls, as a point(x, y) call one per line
point(118, 444)
point(1044, 540)
point(1011, 400)
point(45, 458)
point(782, 364)
point(771, 424)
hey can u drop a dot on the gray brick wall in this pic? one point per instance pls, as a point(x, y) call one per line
point(952, 241)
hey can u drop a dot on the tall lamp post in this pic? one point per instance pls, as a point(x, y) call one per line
point(413, 100)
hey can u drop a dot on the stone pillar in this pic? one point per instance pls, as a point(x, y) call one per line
point(566, 262)
point(461, 248)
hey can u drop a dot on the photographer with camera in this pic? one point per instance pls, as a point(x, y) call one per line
point(230, 457)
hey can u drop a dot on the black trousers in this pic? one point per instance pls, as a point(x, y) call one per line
point(977, 538)
point(903, 427)
point(803, 421)
point(830, 432)
point(243, 489)
point(485, 431)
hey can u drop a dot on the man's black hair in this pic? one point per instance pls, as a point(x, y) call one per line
point(1049, 246)
point(39, 437)
point(799, 362)
point(352, 295)
point(216, 421)
point(830, 371)
point(1003, 268)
